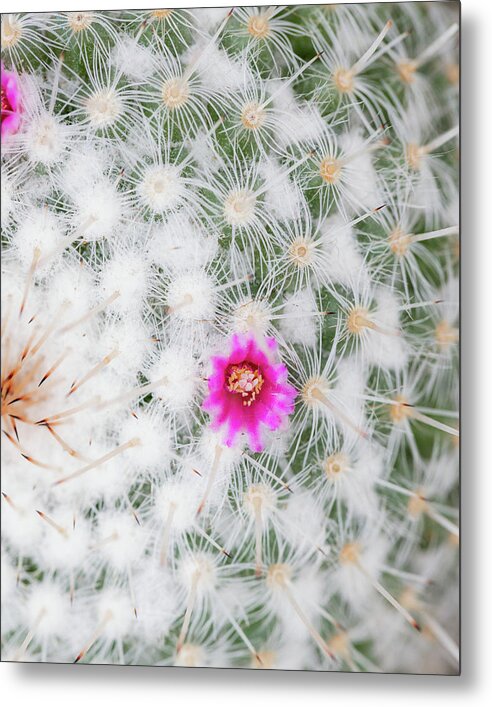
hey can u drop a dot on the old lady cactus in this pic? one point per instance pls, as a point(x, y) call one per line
point(230, 337)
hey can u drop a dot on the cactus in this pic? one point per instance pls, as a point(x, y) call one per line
point(230, 337)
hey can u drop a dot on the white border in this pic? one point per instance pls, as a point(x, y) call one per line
point(93, 686)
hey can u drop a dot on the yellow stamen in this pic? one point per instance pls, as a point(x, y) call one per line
point(245, 381)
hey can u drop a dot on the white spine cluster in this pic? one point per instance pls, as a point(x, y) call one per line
point(180, 176)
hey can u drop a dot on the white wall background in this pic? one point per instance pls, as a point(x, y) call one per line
point(74, 686)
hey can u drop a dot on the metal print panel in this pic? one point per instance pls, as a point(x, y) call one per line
point(230, 250)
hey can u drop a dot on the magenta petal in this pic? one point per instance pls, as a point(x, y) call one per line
point(11, 117)
point(12, 92)
point(268, 406)
point(10, 123)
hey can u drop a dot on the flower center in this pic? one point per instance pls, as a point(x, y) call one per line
point(6, 107)
point(245, 380)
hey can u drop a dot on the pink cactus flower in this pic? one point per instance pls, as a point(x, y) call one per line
point(248, 390)
point(10, 103)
